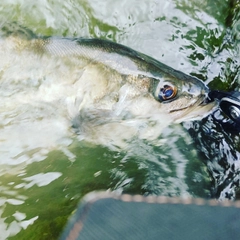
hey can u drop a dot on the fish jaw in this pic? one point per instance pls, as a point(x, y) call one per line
point(194, 112)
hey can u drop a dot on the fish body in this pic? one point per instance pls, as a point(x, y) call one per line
point(107, 92)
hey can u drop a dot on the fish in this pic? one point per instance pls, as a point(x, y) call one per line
point(53, 89)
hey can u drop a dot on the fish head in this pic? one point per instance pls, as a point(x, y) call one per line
point(184, 98)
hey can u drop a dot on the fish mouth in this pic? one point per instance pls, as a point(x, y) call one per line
point(195, 111)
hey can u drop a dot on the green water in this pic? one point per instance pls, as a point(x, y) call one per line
point(198, 37)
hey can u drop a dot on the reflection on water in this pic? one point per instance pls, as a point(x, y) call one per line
point(41, 186)
point(218, 140)
point(50, 196)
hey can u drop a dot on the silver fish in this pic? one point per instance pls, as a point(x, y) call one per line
point(108, 92)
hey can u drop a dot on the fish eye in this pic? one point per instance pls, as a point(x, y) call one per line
point(167, 93)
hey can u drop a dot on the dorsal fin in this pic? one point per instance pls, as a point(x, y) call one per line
point(14, 29)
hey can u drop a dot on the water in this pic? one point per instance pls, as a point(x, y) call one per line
point(41, 187)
